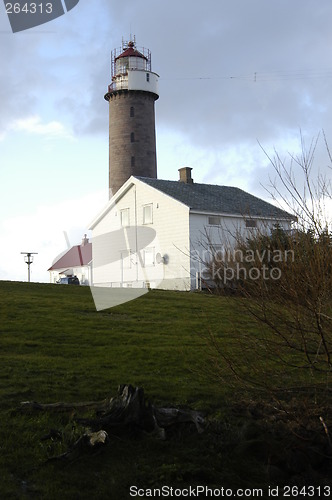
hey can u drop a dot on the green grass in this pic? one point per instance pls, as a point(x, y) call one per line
point(55, 346)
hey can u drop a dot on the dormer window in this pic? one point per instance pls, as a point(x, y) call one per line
point(250, 223)
point(214, 220)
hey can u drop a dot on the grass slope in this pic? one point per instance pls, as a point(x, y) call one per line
point(54, 346)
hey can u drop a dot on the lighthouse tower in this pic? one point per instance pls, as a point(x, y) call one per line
point(131, 97)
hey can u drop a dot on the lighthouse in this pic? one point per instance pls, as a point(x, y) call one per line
point(131, 95)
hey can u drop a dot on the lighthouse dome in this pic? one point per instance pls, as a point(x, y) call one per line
point(131, 59)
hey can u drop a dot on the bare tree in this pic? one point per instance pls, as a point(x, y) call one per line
point(286, 284)
point(299, 189)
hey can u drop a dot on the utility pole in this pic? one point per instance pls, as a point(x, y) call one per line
point(28, 259)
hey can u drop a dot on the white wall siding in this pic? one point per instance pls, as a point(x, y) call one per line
point(204, 235)
point(138, 80)
point(129, 256)
point(171, 223)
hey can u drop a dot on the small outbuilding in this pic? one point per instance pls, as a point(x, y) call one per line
point(76, 261)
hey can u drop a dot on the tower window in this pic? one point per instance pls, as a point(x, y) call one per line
point(148, 77)
point(132, 137)
point(132, 111)
point(133, 161)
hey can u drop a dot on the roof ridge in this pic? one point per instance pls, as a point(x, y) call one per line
point(214, 198)
point(184, 183)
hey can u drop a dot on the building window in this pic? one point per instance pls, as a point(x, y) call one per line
point(148, 256)
point(148, 77)
point(133, 161)
point(147, 214)
point(214, 221)
point(126, 259)
point(132, 111)
point(124, 215)
point(251, 223)
point(217, 253)
point(132, 137)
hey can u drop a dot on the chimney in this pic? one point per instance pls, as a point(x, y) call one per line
point(85, 241)
point(185, 175)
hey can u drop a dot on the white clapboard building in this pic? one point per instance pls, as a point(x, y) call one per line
point(157, 233)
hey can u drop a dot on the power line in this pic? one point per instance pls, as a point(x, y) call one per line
point(257, 76)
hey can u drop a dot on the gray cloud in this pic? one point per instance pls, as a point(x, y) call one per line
point(231, 72)
point(284, 46)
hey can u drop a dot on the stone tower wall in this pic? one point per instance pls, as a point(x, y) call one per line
point(132, 141)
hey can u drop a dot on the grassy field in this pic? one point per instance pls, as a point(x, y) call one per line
point(54, 346)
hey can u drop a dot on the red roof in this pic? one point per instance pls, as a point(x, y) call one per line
point(131, 52)
point(77, 256)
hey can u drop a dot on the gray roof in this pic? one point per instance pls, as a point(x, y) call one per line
point(217, 199)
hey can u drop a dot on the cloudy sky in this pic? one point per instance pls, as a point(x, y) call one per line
point(232, 73)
